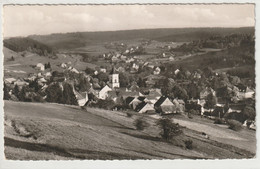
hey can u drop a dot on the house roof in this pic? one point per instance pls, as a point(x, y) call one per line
point(160, 101)
point(141, 98)
point(140, 106)
point(129, 99)
point(79, 95)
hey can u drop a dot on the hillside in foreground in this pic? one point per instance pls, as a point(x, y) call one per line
point(38, 131)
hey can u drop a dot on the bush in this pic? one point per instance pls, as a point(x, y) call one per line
point(188, 144)
point(195, 112)
point(219, 121)
point(140, 124)
point(234, 125)
point(129, 114)
point(169, 129)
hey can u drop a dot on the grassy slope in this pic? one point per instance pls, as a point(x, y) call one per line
point(51, 131)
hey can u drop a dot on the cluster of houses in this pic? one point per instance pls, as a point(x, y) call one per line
point(151, 101)
point(142, 102)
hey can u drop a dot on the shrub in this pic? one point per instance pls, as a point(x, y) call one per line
point(140, 124)
point(219, 121)
point(129, 114)
point(192, 111)
point(188, 144)
point(234, 125)
point(168, 128)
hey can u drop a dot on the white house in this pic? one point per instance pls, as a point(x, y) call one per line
point(103, 70)
point(82, 98)
point(63, 65)
point(249, 93)
point(74, 70)
point(176, 71)
point(40, 66)
point(157, 71)
point(103, 93)
point(48, 74)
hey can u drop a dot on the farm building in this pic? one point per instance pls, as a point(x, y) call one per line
point(164, 105)
point(144, 107)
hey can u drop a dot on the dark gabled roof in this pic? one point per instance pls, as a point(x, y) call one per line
point(129, 99)
point(160, 101)
point(141, 98)
point(140, 106)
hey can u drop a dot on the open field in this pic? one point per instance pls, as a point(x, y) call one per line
point(52, 131)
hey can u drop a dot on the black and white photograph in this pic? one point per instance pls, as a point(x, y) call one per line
point(129, 82)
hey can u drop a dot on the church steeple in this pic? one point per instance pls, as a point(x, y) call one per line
point(114, 78)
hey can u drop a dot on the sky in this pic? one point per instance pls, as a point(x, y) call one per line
point(24, 20)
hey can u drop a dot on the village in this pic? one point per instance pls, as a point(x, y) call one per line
point(147, 91)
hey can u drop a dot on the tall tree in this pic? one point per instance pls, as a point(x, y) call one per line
point(6, 92)
point(211, 101)
point(68, 95)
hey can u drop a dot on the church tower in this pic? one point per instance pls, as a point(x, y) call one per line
point(114, 79)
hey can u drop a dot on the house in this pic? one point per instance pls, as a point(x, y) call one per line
point(103, 93)
point(40, 66)
point(134, 103)
point(249, 93)
point(129, 99)
point(171, 58)
point(164, 105)
point(21, 83)
point(10, 80)
point(144, 107)
point(74, 70)
point(176, 71)
point(103, 70)
point(82, 97)
point(63, 65)
point(157, 71)
point(48, 74)
point(235, 108)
